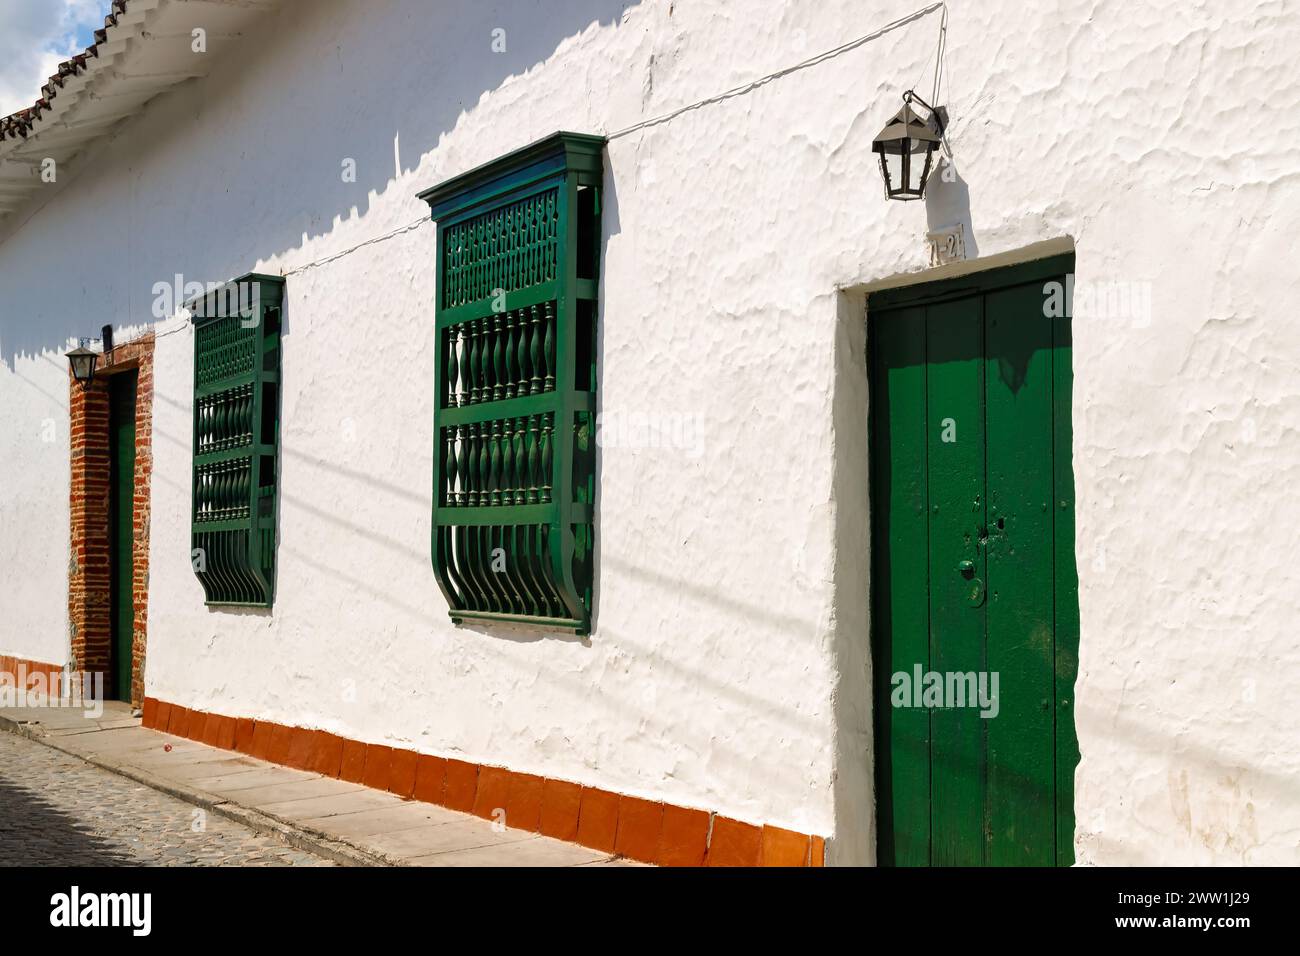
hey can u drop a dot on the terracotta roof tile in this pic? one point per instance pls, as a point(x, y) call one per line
point(18, 123)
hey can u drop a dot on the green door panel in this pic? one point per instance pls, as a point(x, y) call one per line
point(955, 442)
point(902, 573)
point(121, 499)
point(1021, 811)
point(973, 574)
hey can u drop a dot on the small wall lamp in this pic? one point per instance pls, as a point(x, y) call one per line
point(83, 362)
point(906, 146)
point(83, 359)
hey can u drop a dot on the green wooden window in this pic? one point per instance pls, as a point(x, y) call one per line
point(514, 421)
point(236, 439)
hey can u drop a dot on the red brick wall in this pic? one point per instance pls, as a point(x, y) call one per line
point(89, 602)
point(88, 580)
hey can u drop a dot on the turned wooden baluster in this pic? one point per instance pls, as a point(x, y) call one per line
point(494, 464)
point(462, 462)
point(507, 464)
point(526, 267)
point(448, 288)
point(508, 261)
point(452, 382)
point(521, 463)
point(546, 457)
point(449, 467)
point(486, 361)
point(512, 355)
point(550, 346)
point(462, 364)
point(552, 221)
point(470, 471)
point(499, 357)
point(480, 244)
point(521, 352)
point(535, 352)
point(466, 263)
point(534, 460)
point(484, 465)
point(490, 266)
point(472, 368)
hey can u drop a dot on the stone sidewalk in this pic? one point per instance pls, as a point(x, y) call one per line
point(59, 810)
point(343, 822)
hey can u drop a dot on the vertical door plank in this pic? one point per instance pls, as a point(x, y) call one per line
point(899, 549)
point(955, 439)
point(1066, 590)
point(1021, 651)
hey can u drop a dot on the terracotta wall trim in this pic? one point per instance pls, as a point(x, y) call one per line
point(23, 670)
point(645, 830)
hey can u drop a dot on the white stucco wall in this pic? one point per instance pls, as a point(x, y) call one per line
point(34, 485)
point(729, 667)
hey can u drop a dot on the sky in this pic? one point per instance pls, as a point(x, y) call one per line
point(35, 36)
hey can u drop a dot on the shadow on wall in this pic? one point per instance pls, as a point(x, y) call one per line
point(377, 99)
point(610, 225)
point(947, 204)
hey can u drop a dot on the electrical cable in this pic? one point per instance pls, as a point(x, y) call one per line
point(666, 117)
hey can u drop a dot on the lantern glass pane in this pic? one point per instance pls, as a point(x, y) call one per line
point(82, 367)
point(891, 164)
point(925, 171)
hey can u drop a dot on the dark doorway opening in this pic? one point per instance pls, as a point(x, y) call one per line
point(121, 532)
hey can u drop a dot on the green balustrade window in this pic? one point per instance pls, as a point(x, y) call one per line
point(514, 425)
point(236, 439)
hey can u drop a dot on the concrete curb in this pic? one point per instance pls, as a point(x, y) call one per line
point(302, 838)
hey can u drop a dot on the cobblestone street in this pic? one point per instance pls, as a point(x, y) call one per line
point(57, 810)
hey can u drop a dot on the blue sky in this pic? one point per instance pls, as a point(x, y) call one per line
point(35, 35)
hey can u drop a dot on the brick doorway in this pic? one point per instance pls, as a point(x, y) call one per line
point(94, 614)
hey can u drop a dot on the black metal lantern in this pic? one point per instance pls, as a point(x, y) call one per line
point(906, 147)
point(83, 362)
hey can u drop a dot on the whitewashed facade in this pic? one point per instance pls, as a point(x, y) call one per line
point(729, 666)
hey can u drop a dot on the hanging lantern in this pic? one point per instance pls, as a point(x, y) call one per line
point(906, 147)
point(83, 362)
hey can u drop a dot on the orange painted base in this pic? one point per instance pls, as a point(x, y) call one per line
point(643, 830)
point(21, 672)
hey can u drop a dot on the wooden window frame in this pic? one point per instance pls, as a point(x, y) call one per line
point(518, 260)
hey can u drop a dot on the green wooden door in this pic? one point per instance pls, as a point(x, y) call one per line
point(121, 498)
point(974, 589)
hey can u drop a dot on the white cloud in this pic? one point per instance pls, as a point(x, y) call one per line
point(37, 35)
